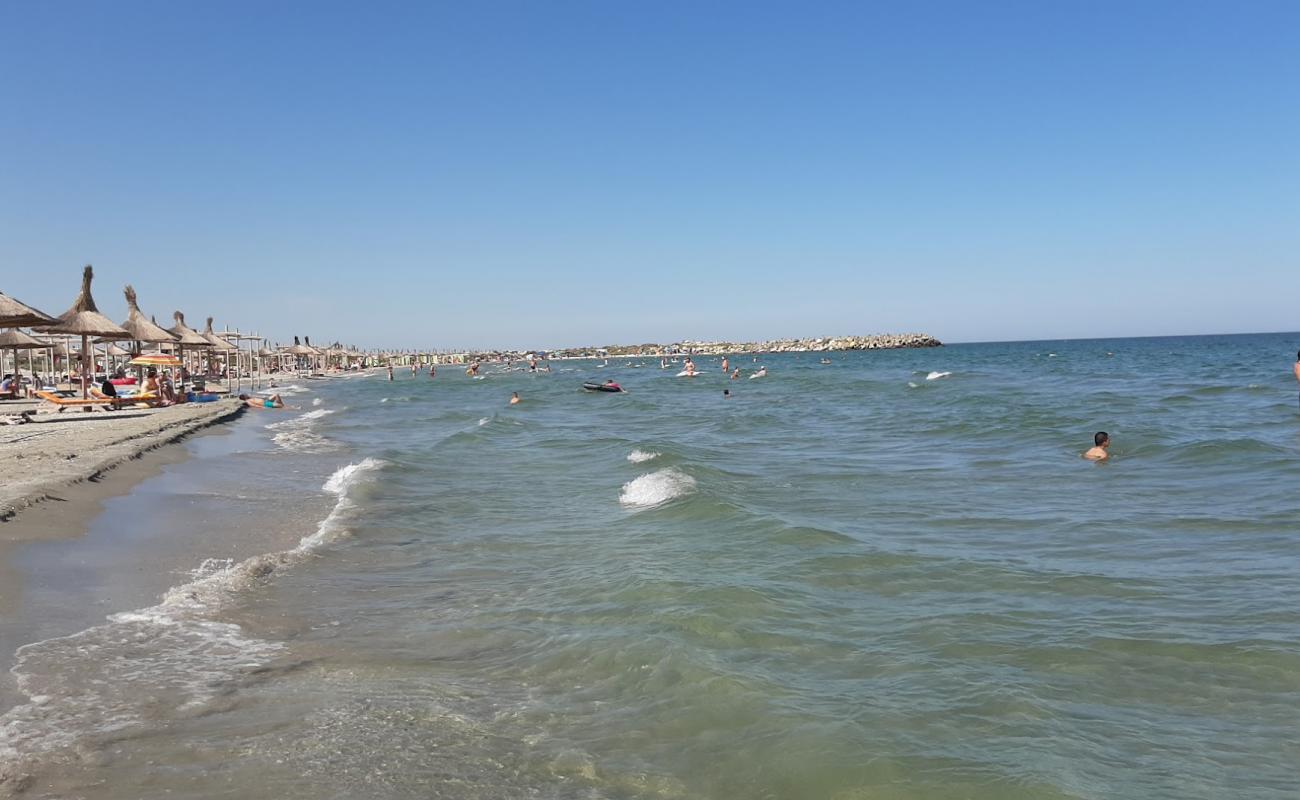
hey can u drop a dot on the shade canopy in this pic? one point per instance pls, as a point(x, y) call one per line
point(17, 340)
point(156, 360)
point(299, 349)
point(14, 314)
point(84, 319)
point(141, 329)
point(216, 341)
point(114, 350)
point(185, 335)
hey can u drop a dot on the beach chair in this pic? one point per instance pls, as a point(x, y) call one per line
point(142, 400)
point(60, 403)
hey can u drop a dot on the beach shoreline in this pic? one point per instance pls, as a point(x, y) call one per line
point(53, 457)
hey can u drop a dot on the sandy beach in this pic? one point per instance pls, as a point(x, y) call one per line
point(55, 452)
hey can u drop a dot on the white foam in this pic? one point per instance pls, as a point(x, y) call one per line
point(640, 456)
point(316, 401)
point(383, 399)
point(913, 385)
point(656, 488)
point(284, 390)
point(483, 421)
point(345, 477)
point(934, 376)
point(296, 433)
point(169, 659)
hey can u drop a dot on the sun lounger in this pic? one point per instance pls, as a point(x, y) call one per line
point(61, 403)
point(142, 400)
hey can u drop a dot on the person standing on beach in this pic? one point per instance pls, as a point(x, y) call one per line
point(1100, 443)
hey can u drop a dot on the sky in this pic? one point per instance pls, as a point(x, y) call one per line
point(546, 174)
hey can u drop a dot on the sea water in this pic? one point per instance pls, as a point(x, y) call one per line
point(890, 576)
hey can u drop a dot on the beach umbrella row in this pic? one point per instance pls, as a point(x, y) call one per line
point(83, 319)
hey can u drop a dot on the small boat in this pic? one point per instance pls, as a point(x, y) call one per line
point(602, 387)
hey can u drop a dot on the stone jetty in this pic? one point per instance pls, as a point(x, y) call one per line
point(883, 341)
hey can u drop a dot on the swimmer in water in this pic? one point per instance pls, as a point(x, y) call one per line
point(433, 371)
point(514, 398)
point(726, 394)
point(735, 376)
point(1296, 368)
point(273, 401)
point(390, 372)
point(762, 373)
point(1100, 443)
point(724, 364)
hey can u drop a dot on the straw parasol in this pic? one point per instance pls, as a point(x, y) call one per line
point(186, 337)
point(218, 345)
point(16, 340)
point(141, 329)
point(217, 342)
point(299, 349)
point(14, 314)
point(84, 320)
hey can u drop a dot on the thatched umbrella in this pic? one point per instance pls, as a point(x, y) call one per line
point(16, 340)
point(298, 349)
point(14, 314)
point(84, 320)
point(316, 352)
point(218, 345)
point(186, 337)
point(141, 329)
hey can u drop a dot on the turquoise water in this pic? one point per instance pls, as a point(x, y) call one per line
point(855, 580)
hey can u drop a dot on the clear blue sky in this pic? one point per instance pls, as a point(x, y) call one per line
point(557, 173)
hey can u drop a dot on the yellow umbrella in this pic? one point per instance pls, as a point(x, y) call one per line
point(156, 360)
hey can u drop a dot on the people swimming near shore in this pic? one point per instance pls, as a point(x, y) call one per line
point(433, 371)
point(762, 373)
point(724, 364)
point(1100, 444)
point(726, 394)
point(1296, 369)
point(735, 376)
point(514, 399)
point(390, 372)
point(274, 401)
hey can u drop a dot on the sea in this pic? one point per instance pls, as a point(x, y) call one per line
point(885, 577)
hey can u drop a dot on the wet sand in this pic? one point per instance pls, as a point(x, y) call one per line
point(117, 541)
point(57, 455)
